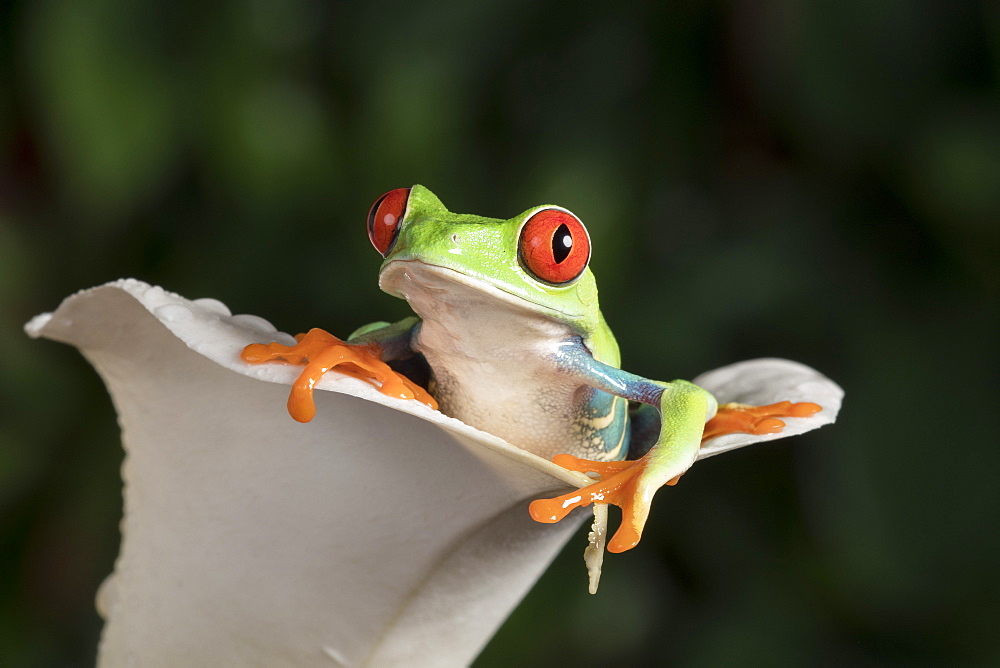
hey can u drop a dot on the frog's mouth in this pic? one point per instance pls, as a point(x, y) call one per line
point(425, 285)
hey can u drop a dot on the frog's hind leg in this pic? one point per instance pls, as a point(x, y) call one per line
point(731, 418)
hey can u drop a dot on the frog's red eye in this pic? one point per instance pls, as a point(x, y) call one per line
point(385, 217)
point(554, 246)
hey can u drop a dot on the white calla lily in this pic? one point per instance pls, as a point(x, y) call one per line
point(381, 533)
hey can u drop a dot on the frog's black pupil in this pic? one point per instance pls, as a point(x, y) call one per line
point(562, 243)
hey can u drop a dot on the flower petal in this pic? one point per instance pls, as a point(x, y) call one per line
point(382, 532)
point(766, 381)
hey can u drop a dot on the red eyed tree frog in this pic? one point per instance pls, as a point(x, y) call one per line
point(509, 325)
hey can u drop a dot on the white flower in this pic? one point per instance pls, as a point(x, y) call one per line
point(381, 533)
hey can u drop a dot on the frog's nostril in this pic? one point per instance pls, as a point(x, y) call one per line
point(454, 238)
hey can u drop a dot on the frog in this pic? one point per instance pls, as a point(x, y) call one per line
point(510, 338)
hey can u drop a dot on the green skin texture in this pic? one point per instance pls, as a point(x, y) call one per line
point(580, 351)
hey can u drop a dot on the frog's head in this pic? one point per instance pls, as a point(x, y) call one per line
point(537, 260)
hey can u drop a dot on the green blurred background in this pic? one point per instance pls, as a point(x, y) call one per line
point(814, 180)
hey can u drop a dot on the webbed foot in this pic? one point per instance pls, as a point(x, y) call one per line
point(619, 486)
point(622, 483)
point(741, 418)
point(319, 351)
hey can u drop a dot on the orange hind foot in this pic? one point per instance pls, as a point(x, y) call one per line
point(740, 418)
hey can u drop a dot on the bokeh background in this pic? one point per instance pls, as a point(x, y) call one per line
point(813, 180)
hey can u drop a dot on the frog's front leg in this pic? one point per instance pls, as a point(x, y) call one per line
point(630, 485)
point(363, 355)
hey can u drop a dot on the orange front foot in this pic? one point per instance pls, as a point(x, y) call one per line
point(618, 486)
point(741, 418)
point(321, 351)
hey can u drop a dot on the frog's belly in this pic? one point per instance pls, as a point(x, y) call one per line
point(515, 401)
point(523, 400)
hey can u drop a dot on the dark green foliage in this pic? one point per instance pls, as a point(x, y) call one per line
point(819, 181)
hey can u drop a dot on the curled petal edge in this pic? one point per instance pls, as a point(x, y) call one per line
point(241, 524)
point(382, 533)
point(765, 381)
